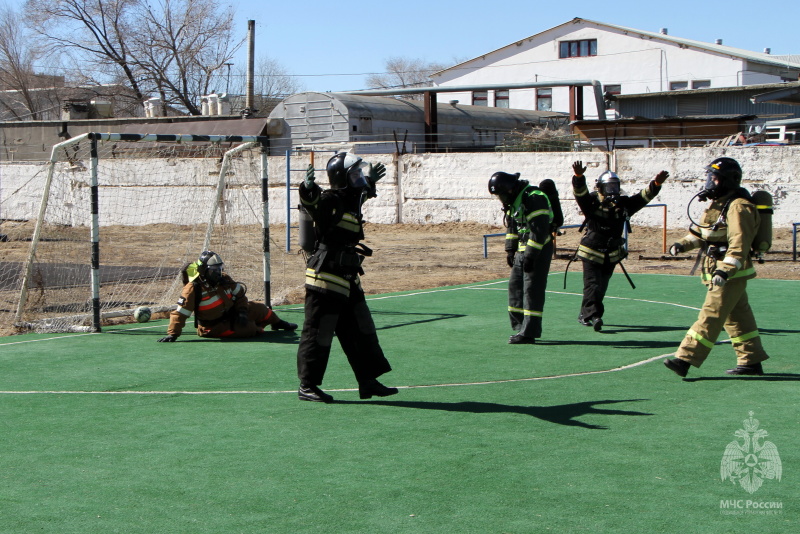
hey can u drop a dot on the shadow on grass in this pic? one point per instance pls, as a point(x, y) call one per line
point(269, 336)
point(416, 318)
point(612, 344)
point(562, 414)
point(767, 377)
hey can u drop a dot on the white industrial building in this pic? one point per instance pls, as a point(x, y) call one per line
point(624, 60)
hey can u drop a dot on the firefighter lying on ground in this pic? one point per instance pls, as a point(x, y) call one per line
point(602, 247)
point(220, 305)
point(725, 236)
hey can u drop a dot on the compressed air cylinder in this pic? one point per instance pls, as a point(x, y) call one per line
point(307, 237)
point(763, 240)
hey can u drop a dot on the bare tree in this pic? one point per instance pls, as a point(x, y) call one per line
point(271, 83)
point(185, 47)
point(23, 97)
point(94, 32)
point(175, 48)
point(404, 72)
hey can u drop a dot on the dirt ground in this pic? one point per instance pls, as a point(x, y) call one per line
point(408, 257)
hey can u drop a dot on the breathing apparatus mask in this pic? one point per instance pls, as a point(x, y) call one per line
point(356, 178)
point(723, 175)
point(210, 267)
point(608, 185)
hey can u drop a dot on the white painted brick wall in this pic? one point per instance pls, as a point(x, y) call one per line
point(437, 188)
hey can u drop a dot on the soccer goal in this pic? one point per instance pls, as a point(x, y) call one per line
point(119, 215)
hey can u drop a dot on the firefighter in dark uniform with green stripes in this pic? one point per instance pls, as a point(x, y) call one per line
point(602, 247)
point(335, 303)
point(530, 222)
point(725, 237)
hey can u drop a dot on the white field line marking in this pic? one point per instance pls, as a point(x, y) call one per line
point(482, 286)
point(245, 392)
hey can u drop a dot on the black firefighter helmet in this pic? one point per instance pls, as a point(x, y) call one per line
point(344, 169)
point(505, 186)
point(723, 175)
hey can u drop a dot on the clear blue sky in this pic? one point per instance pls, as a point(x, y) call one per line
point(333, 46)
point(318, 40)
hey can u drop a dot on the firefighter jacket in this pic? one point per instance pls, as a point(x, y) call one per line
point(338, 226)
point(605, 221)
point(528, 221)
point(725, 235)
point(210, 305)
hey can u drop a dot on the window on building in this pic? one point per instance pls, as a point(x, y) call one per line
point(610, 93)
point(701, 84)
point(544, 99)
point(480, 98)
point(583, 48)
point(501, 99)
point(678, 86)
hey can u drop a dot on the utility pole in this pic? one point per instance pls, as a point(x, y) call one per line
point(228, 82)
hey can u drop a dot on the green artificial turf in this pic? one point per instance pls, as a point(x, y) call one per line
point(114, 432)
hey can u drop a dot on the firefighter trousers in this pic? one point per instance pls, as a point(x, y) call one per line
point(724, 307)
point(349, 319)
point(258, 315)
point(526, 293)
point(596, 277)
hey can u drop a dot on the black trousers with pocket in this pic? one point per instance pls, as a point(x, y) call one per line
point(349, 319)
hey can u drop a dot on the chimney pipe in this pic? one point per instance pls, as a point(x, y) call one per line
point(664, 31)
point(718, 41)
point(767, 51)
point(251, 45)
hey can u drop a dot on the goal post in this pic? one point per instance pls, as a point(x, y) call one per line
point(121, 214)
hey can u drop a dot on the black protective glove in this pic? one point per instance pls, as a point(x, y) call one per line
point(376, 172)
point(578, 169)
point(309, 180)
point(661, 177)
point(529, 261)
point(242, 318)
point(168, 339)
point(676, 249)
point(510, 258)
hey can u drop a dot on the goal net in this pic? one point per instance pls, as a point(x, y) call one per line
point(119, 215)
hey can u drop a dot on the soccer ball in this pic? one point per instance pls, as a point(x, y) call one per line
point(142, 314)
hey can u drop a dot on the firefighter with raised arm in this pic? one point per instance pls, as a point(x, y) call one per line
point(335, 303)
point(531, 215)
point(726, 235)
point(602, 247)
point(219, 303)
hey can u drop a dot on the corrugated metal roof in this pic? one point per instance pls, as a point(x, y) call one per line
point(713, 90)
point(689, 118)
point(208, 126)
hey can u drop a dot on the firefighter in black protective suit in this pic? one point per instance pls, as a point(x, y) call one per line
point(602, 247)
point(530, 217)
point(335, 303)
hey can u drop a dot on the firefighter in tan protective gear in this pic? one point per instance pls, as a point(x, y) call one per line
point(219, 304)
point(725, 235)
